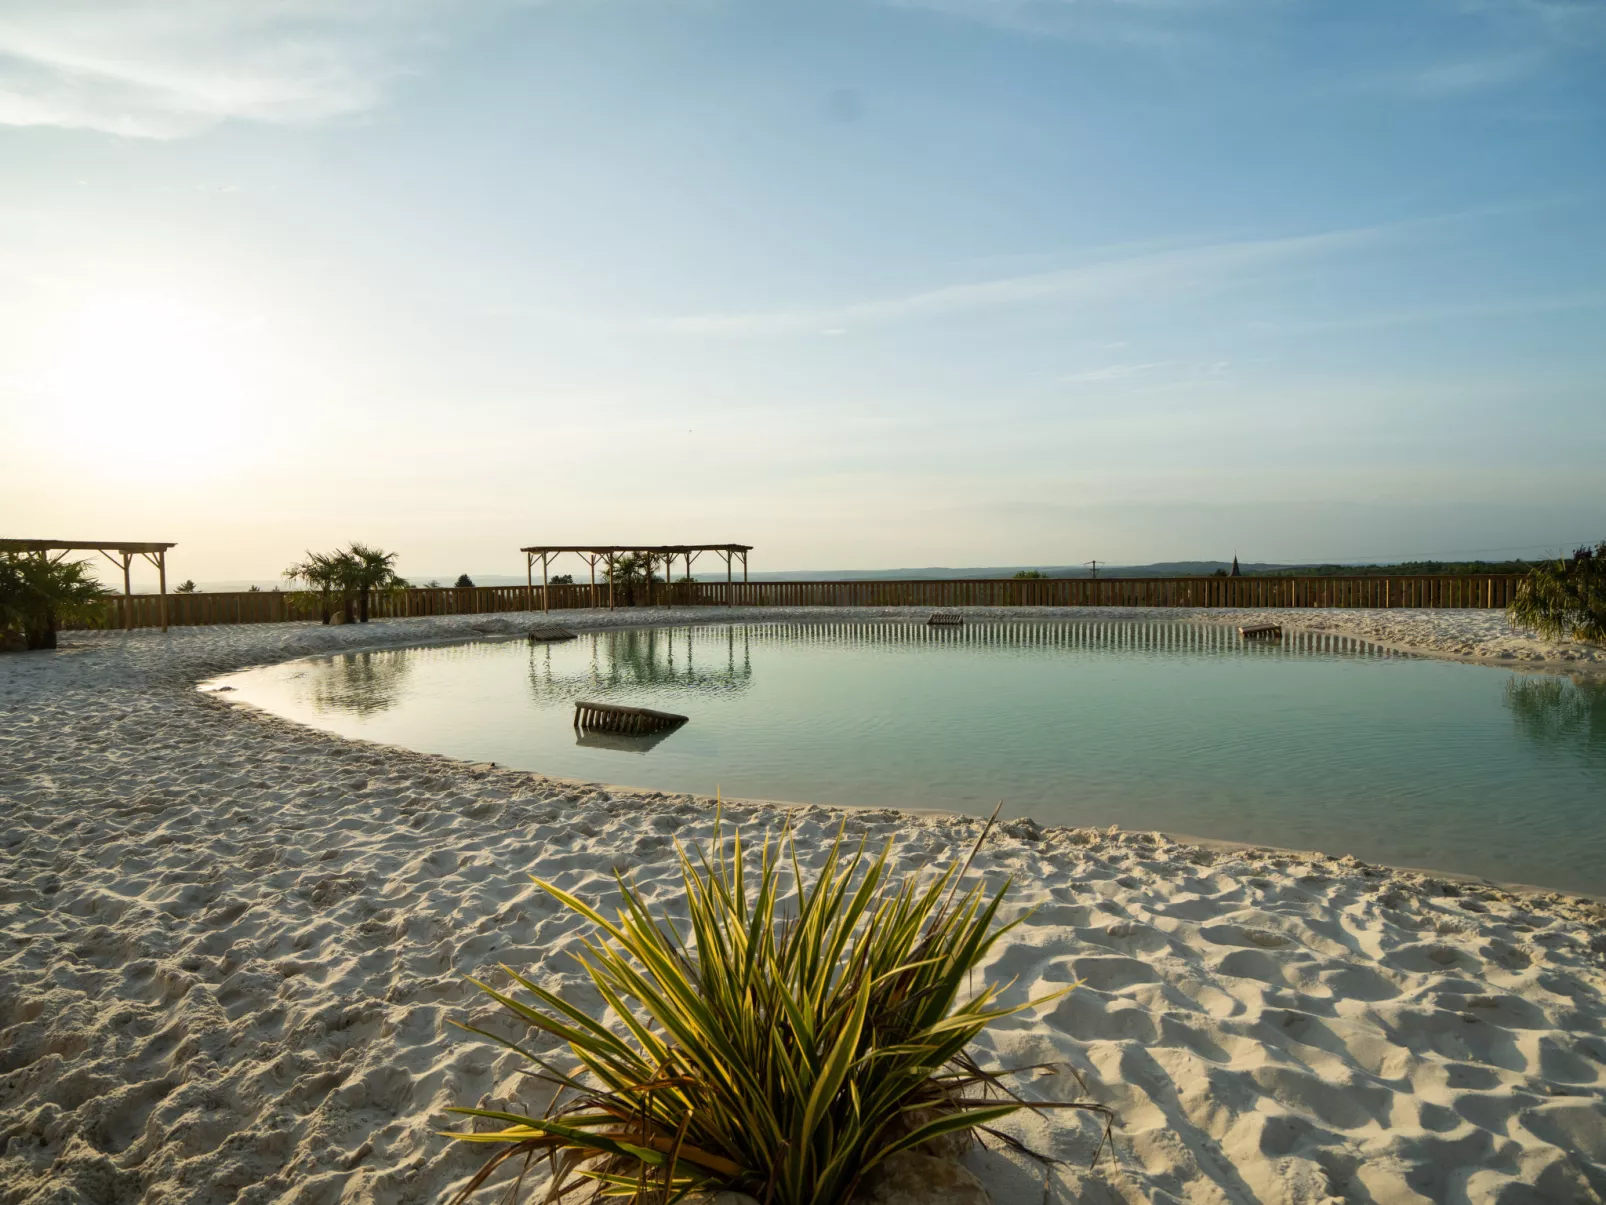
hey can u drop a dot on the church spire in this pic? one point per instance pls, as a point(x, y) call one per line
point(1235, 572)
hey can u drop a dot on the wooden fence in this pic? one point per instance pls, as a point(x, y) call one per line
point(1467, 591)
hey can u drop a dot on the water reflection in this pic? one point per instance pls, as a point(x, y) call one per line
point(361, 683)
point(621, 742)
point(705, 661)
point(1558, 713)
point(1056, 636)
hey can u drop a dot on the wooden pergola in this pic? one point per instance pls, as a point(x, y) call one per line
point(667, 554)
point(155, 553)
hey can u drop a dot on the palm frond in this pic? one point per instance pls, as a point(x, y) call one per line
point(1564, 599)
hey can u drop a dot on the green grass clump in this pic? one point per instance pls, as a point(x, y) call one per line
point(799, 1034)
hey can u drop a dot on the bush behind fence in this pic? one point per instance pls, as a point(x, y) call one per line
point(1467, 591)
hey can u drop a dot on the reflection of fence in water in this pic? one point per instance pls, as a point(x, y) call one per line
point(1054, 635)
point(713, 660)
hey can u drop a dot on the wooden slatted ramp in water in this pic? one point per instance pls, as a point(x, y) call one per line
point(1261, 631)
point(611, 717)
point(549, 635)
point(945, 619)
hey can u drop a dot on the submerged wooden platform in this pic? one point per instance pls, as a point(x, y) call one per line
point(549, 635)
point(611, 717)
point(1261, 631)
point(945, 619)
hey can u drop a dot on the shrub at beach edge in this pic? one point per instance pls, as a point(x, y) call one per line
point(1565, 599)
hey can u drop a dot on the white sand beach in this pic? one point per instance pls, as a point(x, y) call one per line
point(229, 946)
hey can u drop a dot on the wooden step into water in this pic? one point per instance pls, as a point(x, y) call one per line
point(549, 635)
point(632, 721)
point(1261, 631)
point(945, 619)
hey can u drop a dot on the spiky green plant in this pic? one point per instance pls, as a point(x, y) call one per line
point(1564, 599)
point(796, 1037)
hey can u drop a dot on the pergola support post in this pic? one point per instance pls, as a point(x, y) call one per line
point(128, 594)
point(529, 579)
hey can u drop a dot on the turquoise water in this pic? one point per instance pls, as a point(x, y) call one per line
point(1313, 742)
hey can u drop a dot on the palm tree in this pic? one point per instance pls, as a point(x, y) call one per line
point(36, 595)
point(632, 574)
point(323, 573)
point(371, 571)
point(1562, 599)
point(354, 573)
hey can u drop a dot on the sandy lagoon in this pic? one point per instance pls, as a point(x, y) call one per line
point(230, 943)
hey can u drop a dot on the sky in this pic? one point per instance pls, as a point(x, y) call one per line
point(863, 283)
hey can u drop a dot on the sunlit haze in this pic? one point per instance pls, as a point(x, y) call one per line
point(941, 282)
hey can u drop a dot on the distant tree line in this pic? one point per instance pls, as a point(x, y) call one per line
point(1401, 569)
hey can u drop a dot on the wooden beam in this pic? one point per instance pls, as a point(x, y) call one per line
point(128, 594)
point(160, 561)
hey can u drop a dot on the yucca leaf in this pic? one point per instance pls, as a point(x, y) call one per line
point(964, 1120)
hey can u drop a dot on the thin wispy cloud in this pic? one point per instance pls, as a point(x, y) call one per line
point(171, 68)
point(1448, 79)
point(1519, 307)
point(1166, 26)
point(1483, 45)
point(1172, 272)
point(1172, 372)
point(1477, 45)
point(1114, 372)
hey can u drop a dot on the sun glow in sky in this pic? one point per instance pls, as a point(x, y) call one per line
point(146, 380)
point(860, 283)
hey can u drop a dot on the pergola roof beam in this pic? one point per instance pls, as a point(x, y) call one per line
point(81, 546)
point(608, 549)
